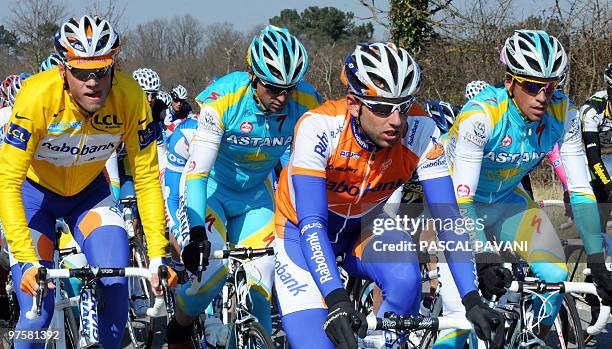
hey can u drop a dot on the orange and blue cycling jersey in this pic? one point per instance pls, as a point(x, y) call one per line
point(337, 176)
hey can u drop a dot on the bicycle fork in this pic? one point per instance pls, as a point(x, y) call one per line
point(89, 316)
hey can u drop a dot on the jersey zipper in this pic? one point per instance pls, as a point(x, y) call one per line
point(82, 140)
point(361, 193)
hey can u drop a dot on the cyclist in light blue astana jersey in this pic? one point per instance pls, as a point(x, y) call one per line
point(500, 135)
point(245, 124)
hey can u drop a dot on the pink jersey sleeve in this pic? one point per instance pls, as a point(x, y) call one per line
point(554, 157)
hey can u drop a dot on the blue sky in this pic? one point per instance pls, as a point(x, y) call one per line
point(247, 14)
point(243, 14)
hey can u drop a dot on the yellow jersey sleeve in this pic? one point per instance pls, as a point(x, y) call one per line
point(140, 142)
point(26, 125)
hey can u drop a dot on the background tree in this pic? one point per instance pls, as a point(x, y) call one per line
point(324, 25)
point(35, 22)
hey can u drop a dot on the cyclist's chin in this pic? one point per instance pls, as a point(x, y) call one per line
point(275, 107)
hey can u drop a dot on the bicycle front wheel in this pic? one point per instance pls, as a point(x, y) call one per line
point(567, 330)
point(254, 336)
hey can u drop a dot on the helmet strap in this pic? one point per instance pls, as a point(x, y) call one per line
point(255, 96)
point(363, 133)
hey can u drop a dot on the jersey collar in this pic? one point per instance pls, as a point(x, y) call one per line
point(360, 136)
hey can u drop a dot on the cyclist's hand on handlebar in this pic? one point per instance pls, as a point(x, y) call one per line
point(29, 278)
point(488, 323)
point(191, 253)
point(155, 281)
point(343, 320)
point(493, 278)
point(602, 277)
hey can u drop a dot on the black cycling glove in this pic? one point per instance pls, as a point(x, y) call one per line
point(343, 320)
point(191, 253)
point(602, 277)
point(488, 323)
point(493, 278)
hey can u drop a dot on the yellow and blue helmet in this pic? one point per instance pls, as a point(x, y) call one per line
point(277, 57)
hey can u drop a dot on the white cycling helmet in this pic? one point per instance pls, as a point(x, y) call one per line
point(381, 70)
point(11, 86)
point(164, 97)
point(87, 43)
point(534, 53)
point(147, 79)
point(474, 87)
point(178, 92)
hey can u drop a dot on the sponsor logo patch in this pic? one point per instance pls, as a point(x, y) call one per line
point(506, 141)
point(246, 127)
point(17, 136)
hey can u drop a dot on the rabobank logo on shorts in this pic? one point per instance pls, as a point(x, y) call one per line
point(17, 136)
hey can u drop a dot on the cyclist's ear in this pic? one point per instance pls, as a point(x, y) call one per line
point(353, 104)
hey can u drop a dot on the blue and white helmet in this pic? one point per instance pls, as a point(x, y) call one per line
point(442, 113)
point(277, 57)
point(52, 61)
point(534, 53)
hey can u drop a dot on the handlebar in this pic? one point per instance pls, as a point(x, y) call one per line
point(238, 253)
point(392, 321)
point(566, 287)
point(45, 274)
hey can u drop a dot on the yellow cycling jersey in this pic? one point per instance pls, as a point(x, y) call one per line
point(53, 142)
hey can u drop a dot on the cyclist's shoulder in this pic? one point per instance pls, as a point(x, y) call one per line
point(329, 117)
point(597, 102)
point(43, 87)
point(420, 127)
point(307, 96)
point(232, 86)
point(329, 112)
point(189, 123)
point(125, 86)
point(485, 109)
point(490, 97)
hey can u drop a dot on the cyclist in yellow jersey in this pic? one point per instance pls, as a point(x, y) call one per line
point(65, 124)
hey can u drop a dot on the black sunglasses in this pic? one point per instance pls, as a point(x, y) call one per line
point(152, 95)
point(86, 74)
point(277, 90)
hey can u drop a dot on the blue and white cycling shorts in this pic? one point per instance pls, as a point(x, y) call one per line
point(98, 228)
point(367, 256)
point(245, 218)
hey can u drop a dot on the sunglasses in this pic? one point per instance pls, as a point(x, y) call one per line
point(385, 109)
point(176, 100)
point(277, 90)
point(86, 74)
point(534, 87)
point(152, 95)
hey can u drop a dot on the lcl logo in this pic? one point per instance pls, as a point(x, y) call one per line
point(106, 121)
